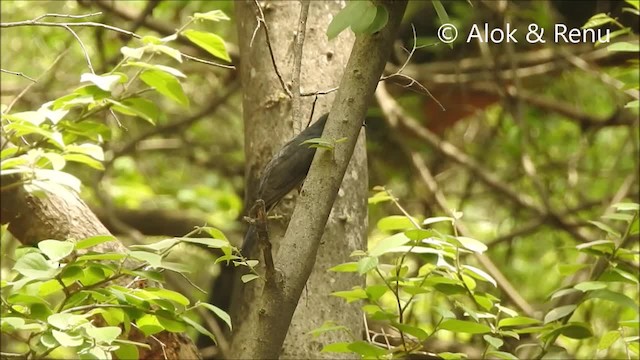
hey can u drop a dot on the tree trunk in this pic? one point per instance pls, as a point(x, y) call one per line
point(268, 125)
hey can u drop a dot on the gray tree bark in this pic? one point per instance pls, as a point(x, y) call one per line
point(268, 125)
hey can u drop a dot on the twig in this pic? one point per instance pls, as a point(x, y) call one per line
point(84, 49)
point(296, 106)
point(18, 74)
point(104, 26)
point(261, 22)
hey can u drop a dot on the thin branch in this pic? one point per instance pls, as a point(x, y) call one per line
point(296, 106)
point(18, 74)
point(104, 26)
point(261, 22)
point(84, 49)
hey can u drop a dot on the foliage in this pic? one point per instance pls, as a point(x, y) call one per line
point(398, 290)
point(64, 297)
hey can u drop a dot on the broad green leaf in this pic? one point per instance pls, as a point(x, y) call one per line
point(167, 294)
point(248, 277)
point(327, 327)
point(364, 18)
point(357, 293)
point(624, 47)
point(126, 351)
point(395, 222)
point(149, 324)
point(84, 159)
point(597, 20)
point(493, 341)
point(134, 53)
point(618, 298)
point(199, 328)
point(158, 246)
point(480, 274)
point(472, 244)
point(339, 347)
point(606, 228)
point(559, 313)
point(56, 250)
point(375, 292)
point(35, 266)
point(342, 19)
point(212, 43)
point(214, 15)
point(608, 339)
point(168, 69)
point(463, 326)
point(366, 349)
point(167, 50)
point(152, 259)
point(440, 11)
point(586, 286)
point(576, 331)
point(166, 85)
point(105, 334)
point(141, 108)
point(104, 82)
point(627, 207)
point(437, 219)
point(33, 117)
point(451, 356)
point(411, 330)
point(346, 267)
point(93, 241)
point(67, 339)
point(221, 314)
point(388, 243)
point(517, 321)
point(380, 21)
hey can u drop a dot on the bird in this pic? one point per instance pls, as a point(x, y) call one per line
point(286, 170)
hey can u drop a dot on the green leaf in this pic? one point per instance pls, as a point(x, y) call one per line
point(93, 241)
point(219, 313)
point(367, 264)
point(168, 69)
point(364, 18)
point(167, 50)
point(472, 244)
point(575, 331)
point(167, 294)
point(463, 326)
point(380, 21)
point(84, 159)
point(479, 274)
point(356, 293)
point(385, 245)
point(437, 219)
point(134, 53)
point(141, 108)
point(440, 11)
point(346, 267)
point(152, 259)
point(126, 351)
point(366, 349)
point(411, 330)
point(395, 222)
point(149, 324)
point(104, 82)
point(559, 313)
point(328, 326)
point(618, 298)
point(342, 19)
point(606, 228)
point(517, 321)
point(212, 43)
point(199, 328)
point(375, 292)
point(597, 20)
point(339, 347)
point(67, 339)
point(493, 341)
point(451, 356)
point(166, 85)
point(35, 266)
point(105, 334)
point(586, 286)
point(608, 339)
point(214, 15)
point(624, 47)
point(248, 277)
point(627, 206)
point(56, 250)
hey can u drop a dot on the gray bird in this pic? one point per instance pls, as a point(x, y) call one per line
point(286, 170)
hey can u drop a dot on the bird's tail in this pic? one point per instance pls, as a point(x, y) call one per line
point(249, 242)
